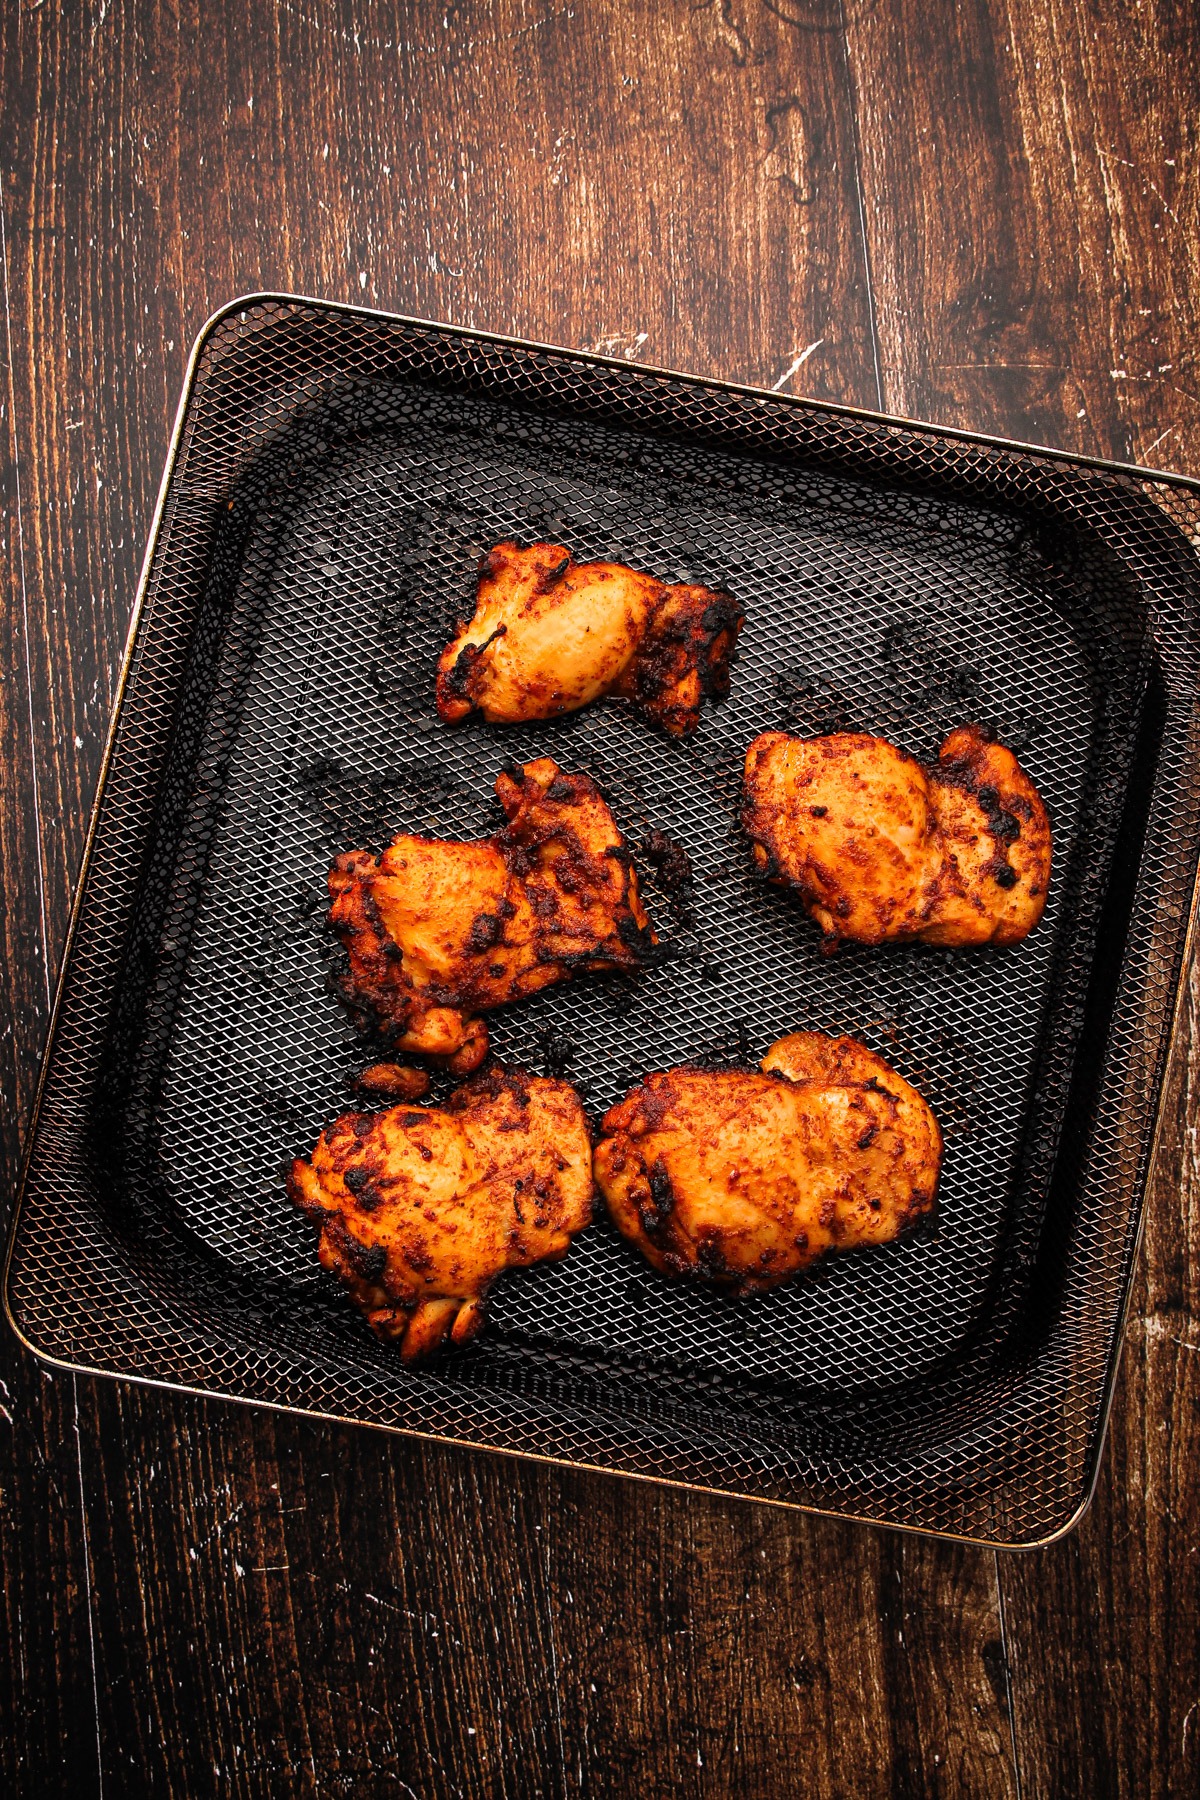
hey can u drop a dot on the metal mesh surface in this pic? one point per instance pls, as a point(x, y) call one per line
point(337, 476)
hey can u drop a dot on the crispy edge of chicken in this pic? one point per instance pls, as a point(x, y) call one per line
point(418, 1209)
point(744, 1179)
point(881, 847)
point(435, 931)
point(550, 635)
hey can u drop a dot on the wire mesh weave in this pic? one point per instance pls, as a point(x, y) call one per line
point(337, 476)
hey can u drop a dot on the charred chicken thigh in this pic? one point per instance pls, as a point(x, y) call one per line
point(436, 932)
point(745, 1179)
point(418, 1209)
point(879, 846)
point(550, 634)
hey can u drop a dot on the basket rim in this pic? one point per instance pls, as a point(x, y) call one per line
point(258, 299)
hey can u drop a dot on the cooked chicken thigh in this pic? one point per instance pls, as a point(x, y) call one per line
point(549, 635)
point(436, 932)
point(744, 1179)
point(418, 1209)
point(879, 846)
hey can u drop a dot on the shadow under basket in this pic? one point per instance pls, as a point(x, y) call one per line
point(334, 478)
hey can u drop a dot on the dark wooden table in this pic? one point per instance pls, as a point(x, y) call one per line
point(975, 212)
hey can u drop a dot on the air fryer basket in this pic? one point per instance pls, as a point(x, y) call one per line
point(335, 478)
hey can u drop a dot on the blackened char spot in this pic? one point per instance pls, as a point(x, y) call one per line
point(662, 1197)
point(722, 618)
point(635, 938)
point(723, 613)
point(1003, 821)
point(558, 1050)
point(553, 576)
point(671, 860)
point(1003, 825)
point(458, 677)
point(660, 1186)
point(485, 929)
point(710, 1258)
point(367, 1260)
point(673, 869)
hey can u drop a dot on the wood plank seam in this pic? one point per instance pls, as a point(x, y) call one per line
point(87, 1582)
point(1008, 1681)
point(864, 240)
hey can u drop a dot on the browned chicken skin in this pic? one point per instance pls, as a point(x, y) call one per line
point(418, 1209)
point(391, 1081)
point(436, 932)
point(744, 1179)
point(549, 635)
point(879, 846)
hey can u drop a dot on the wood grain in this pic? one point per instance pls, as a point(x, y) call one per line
point(48, 1714)
point(47, 1701)
point(962, 220)
point(345, 1609)
point(1030, 190)
point(1116, 1709)
point(278, 1604)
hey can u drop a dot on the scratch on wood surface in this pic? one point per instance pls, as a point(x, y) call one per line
point(618, 343)
point(1171, 431)
point(1111, 156)
point(1155, 1329)
point(797, 362)
point(562, 12)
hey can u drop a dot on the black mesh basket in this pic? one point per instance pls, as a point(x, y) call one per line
point(334, 478)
